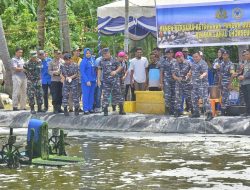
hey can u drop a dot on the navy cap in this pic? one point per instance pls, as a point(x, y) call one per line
point(185, 49)
point(226, 52)
point(67, 56)
point(105, 50)
point(169, 50)
point(41, 52)
point(33, 54)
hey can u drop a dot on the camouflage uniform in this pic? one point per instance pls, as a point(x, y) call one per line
point(34, 85)
point(184, 87)
point(217, 71)
point(68, 70)
point(169, 83)
point(111, 84)
point(121, 75)
point(225, 81)
point(200, 86)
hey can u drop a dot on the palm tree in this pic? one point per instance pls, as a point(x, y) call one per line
point(64, 25)
point(5, 56)
point(41, 23)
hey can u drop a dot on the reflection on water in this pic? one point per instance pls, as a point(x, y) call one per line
point(143, 161)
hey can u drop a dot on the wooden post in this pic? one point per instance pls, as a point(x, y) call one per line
point(31, 144)
point(61, 144)
point(11, 131)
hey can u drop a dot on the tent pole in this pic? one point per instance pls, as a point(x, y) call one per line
point(99, 43)
point(126, 34)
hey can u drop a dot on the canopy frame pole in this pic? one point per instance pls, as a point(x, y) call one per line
point(99, 43)
point(126, 32)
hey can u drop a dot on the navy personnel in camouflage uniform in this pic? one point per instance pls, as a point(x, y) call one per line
point(70, 79)
point(121, 59)
point(111, 81)
point(183, 85)
point(199, 72)
point(225, 80)
point(244, 77)
point(34, 86)
point(167, 82)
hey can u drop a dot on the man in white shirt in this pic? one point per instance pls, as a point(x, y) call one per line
point(2, 76)
point(19, 80)
point(2, 72)
point(138, 67)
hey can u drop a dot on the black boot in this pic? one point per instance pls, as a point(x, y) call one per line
point(45, 109)
point(66, 113)
point(167, 111)
point(121, 111)
point(59, 109)
point(32, 109)
point(209, 116)
point(114, 108)
point(177, 114)
point(76, 111)
point(223, 112)
point(55, 109)
point(195, 115)
point(39, 110)
point(105, 110)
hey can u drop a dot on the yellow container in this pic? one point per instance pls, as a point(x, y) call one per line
point(150, 108)
point(129, 106)
point(149, 96)
point(150, 102)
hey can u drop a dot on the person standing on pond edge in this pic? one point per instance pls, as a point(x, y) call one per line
point(19, 81)
point(70, 79)
point(76, 52)
point(216, 66)
point(183, 87)
point(199, 81)
point(245, 81)
point(46, 78)
point(56, 84)
point(34, 86)
point(121, 59)
point(127, 81)
point(110, 68)
point(153, 76)
point(225, 80)
point(2, 79)
point(139, 67)
point(167, 82)
point(88, 81)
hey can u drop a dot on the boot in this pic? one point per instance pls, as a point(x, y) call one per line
point(121, 111)
point(195, 115)
point(167, 111)
point(171, 112)
point(45, 109)
point(39, 110)
point(105, 110)
point(177, 114)
point(209, 116)
point(59, 109)
point(66, 113)
point(55, 109)
point(114, 108)
point(32, 109)
point(15, 109)
point(76, 111)
point(223, 112)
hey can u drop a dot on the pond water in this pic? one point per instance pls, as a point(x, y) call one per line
point(115, 160)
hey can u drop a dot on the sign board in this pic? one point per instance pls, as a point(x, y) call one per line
point(197, 25)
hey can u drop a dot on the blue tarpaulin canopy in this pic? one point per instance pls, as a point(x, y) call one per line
point(142, 19)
